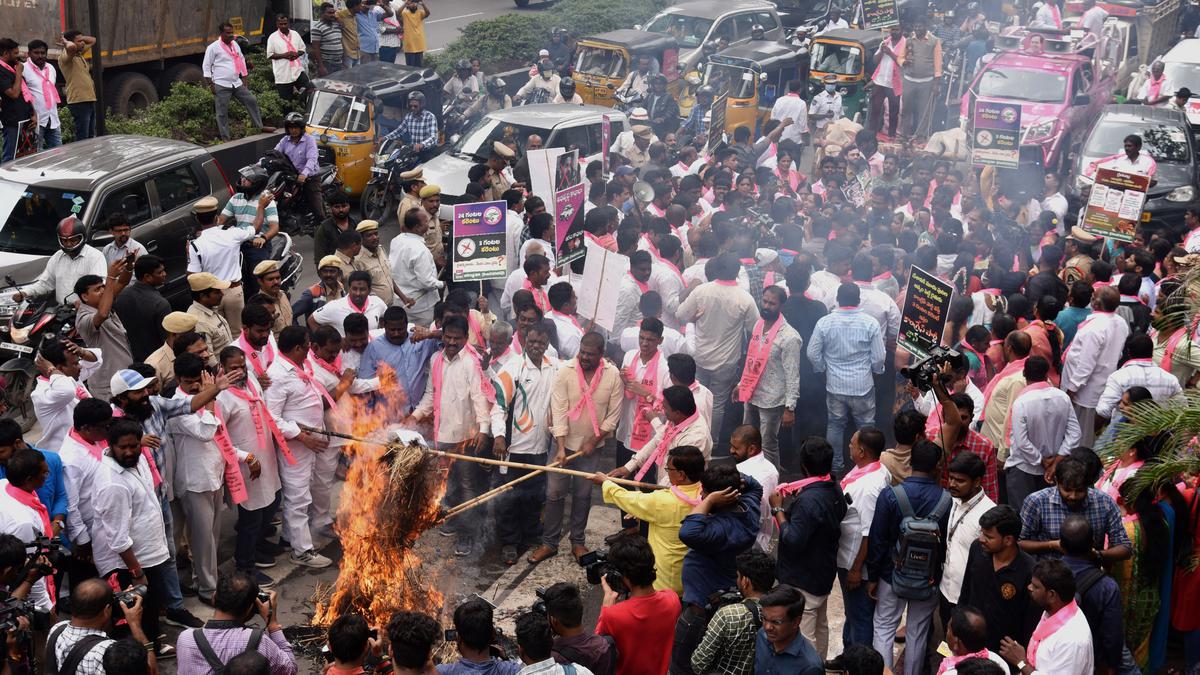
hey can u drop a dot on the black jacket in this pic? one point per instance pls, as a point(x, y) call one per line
point(808, 544)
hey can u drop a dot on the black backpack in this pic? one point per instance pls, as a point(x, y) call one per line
point(76, 654)
point(918, 554)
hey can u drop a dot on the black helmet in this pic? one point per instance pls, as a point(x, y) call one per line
point(544, 67)
point(495, 86)
point(293, 119)
point(706, 90)
point(658, 78)
point(559, 31)
point(462, 64)
point(709, 47)
point(417, 96)
point(566, 87)
point(257, 177)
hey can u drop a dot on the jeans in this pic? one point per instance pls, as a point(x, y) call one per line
point(364, 57)
point(875, 117)
point(888, 613)
point(10, 144)
point(388, 54)
point(720, 382)
point(1021, 484)
point(84, 115)
point(558, 488)
point(251, 256)
point(413, 59)
point(243, 94)
point(860, 613)
point(519, 511)
point(465, 482)
point(767, 421)
point(51, 138)
point(689, 631)
point(845, 411)
point(885, 400)
point(249, 528)
point(153, 600)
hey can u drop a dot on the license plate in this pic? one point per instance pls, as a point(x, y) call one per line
point(20, 349)
point(378, 170)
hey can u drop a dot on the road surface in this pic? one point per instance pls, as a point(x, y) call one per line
point(449, 16)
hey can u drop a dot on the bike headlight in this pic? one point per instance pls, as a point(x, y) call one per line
point(1182, 194)
point(8, 305)
point(1040, 130)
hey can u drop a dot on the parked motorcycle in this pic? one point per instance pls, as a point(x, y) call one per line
point(384, 191)
point(296, 215)
point(24, 326)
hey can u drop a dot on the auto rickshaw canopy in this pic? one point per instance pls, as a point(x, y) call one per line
point(834, 42)
point(387, 85)
point(662, 48)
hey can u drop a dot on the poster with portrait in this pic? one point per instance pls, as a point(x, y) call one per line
point(569, 195)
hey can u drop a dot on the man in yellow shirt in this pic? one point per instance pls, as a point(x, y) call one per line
point(664, 510)
point(412, 20)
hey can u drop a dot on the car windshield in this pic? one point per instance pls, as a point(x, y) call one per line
point(1164, 142)
point(29, 214)
point(732, 80)
point(488, 130)
point(1183, 75)
point(338, 112)
point(828, 57)
point(1038, 86)
point(689, 31)
point(600, 61)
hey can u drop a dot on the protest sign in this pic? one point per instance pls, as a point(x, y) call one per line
point(926, 304)
point(479, 241)
point(601, 285)
point(716, 121)
point(880, 14)
point(1115, 204)
point(569, 193)
point(997, 135)
point(605, 142)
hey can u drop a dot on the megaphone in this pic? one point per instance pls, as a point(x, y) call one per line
point(643, 192)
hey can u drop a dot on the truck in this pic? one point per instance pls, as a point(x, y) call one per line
point(1134, 34)
point(148, 45)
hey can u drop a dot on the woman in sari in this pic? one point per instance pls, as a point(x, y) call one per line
point(1140, 578)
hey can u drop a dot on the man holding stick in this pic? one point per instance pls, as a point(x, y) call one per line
point(520, 426)
point(584, 408)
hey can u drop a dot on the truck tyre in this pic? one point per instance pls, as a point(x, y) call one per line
point(180, 72)
point(130, 92)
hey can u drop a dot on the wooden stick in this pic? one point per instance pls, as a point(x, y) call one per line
point(491, 462)
point(496, 491)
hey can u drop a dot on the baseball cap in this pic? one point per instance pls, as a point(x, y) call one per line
point(128, 380)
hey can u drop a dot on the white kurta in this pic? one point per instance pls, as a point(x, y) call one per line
point(1093, 356)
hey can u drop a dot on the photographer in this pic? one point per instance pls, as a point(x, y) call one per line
point(350, 642)
point(534, 644)
point(205, 651)
point(573, 644)
point(16, 581)
point(476, 633)
point(126, 656)
point(78, 646)
point(411, 637)
point(728, 644)
point(23, 515)
point(642, 625)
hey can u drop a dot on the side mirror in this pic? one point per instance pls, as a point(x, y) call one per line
point(1081, 99)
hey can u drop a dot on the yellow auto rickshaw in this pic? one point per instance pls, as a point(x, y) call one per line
point(754, 75)
point(602, 62)
point(849, 55)
point(353, 109)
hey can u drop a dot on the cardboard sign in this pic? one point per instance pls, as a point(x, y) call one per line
point(997, 135)
point(716, 122)
point(569, 193)
point(479, 241)
point(1115, 204)
point(601, 285)
point(879, 14)
point(926, 305)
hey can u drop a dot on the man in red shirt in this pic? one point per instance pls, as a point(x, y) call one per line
point(643, 625)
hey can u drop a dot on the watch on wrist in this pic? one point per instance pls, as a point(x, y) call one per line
point(1021, 665)
point(776, 510)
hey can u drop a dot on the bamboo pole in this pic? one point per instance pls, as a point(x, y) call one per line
point(491, 462)
point(496, 491)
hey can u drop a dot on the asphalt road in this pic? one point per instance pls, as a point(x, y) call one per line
point(447, 17)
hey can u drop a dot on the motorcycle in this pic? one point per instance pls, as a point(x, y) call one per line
point(383, 192)
point(627, 101)
point(454, 115)
point(24, 326)
point(296, 215)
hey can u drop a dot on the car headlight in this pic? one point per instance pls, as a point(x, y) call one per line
point(1182, 194)
point(1040, 130)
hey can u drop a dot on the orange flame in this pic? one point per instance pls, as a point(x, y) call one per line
point(380, 518)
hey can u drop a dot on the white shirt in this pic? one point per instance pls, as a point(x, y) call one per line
point(824, 102)
point(334, 313)
point(1056, 203)
point(54, 402)
point(218, 251)
point(1068, 650)
point(199, 466)
point(673, 342)
point(627, 306)
point(547, 250)
point(1043, 426)
point(46, 115)
point(414, 271)
point(994, 658)
point(884, 74)
point(1166, 89)
point(669, 284)
point(338, 418)
point(793, 106)
point(218, 64)
point(1092, 20)
point(927, 403)
point(551, 667)
point(569, 333)
point(532, 386)
point(25, 524)
point(856, 524)
point(576, 99)
point(285, 70)
point(962, 531)
point(1144, 164)
point(62, 271)
point(79, 467)
point(513, 226)
point(291, 400)
point(463, 410)
point(128, 515)
point(1093, 355)
point(1045, 17)
point(824, 286)
point(1136, 373)
point(704, 401)
point(879, 306)
point(239, 423)
point(632, 363)
point(762, 470)
point(696, 434)
point(112, 252)
point(834, 25)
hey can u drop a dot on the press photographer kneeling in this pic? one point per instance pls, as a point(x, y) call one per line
point(19, 574)
point(78, 646)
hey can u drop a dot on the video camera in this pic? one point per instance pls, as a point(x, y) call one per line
point(539, 605)
point(597, 566)
point(49, 548)
point(923, 372)
point(12, 609)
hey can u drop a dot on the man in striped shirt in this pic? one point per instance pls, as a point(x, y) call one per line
point(847, 345)
point(326, 37)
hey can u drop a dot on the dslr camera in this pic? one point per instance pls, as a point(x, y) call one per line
point(128, 597)
point(923, 373)
point(49, 548)
point(12, 609)
point(539, 605)
point(597, 566)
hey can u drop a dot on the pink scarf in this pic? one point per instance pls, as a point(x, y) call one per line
point(641, 285)
point(642, 431)
point(951, 662)
point(539, 296)
point(81, 391)
point(233, 472)
point(586, 390)
point(294, 64)
point(1118, 476)
point(1014, 367)
point(659, 457)
point(49, 91)
point(30, 499)
point(1048, 626)
point(307, 378)
point(757, 355)
point(96, 450)
point(690, 501)
point(858, 472)
point(24, 87)
point(796, 486)
point(256, 361)
point(261, 418)
point(235, 53)
point(897, 48)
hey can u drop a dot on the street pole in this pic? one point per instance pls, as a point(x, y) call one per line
point(97, 63)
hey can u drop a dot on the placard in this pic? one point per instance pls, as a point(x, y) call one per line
point(1114, 206)
point(569, 193)
point(479, 241)
point(716, 122)
point(926, 305)
point(601, 285)
point(879, 14)
point(605, 142)
point(996, 139)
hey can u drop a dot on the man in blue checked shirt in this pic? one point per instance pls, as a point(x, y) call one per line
point(418, 128)
point(847, 345)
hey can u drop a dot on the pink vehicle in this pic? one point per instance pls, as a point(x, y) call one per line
point(1058, 90)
